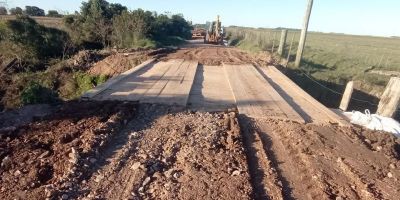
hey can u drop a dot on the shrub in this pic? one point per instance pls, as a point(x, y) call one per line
point(34, 11)
point(3, 10)
point(35, 93)
point(92, 27)
point(131, 29)
point(140, 28)
point(16, 11)
point(85, 82)
point(53, 13)
point(165, 26)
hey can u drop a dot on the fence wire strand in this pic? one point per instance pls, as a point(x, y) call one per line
point(334, 91)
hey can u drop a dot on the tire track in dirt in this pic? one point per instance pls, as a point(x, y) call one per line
point(164, 153)
point(296, 171)
point(115, 172)
point(266, 182)
point(213, 55)
point(331, 162)
point(232, 59)
point(113, 177)
point(367, 185)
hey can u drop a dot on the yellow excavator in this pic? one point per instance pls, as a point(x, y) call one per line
point(215, 33)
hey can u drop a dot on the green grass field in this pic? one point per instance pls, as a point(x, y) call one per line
point(330, 57)
point(330, 60)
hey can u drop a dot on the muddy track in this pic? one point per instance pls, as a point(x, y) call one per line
point(161, 152)
point(213, 55)
point(264, 177)
point(50, 155)
point(327, 162)
point(170, 156)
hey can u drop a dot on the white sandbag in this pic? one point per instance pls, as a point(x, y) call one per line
point(374, 122)
point(360, 118)
point(387, 124)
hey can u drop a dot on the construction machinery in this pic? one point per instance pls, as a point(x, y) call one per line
point(215, 33)
point(198, 33)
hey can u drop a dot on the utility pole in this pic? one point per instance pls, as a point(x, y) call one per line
point(303, 35)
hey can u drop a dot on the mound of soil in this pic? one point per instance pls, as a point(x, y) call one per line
point(118, 150)
point(123, 61)
point(83, 60)
point(321, 162)
point(39, 159)
point(117, 64)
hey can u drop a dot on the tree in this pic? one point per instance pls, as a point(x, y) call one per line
point(180, 27)
point(176, 25)
point(101, 8)
point(131, 27)
point(3, 11)
point(74, 24)
point(53, 13)
point(16, 11)
point(96, 16)
point(95, 8)
point(117, 9)
point(34, 11)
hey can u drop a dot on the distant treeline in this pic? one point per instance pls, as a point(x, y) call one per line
point(30, 11)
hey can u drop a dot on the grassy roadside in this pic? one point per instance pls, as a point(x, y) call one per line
point(61, 81)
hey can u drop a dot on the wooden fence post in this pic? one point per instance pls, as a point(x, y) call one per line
point(273, 43)
point(282, 42)
point(390, 99)
point(344, 104)
point(303, 35)
point(290, 49)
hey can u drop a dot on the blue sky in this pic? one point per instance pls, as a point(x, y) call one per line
point(362, 17)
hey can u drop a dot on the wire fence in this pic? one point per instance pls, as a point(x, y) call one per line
point(334, 58)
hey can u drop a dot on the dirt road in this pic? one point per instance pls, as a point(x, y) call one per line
point(137, 150)
point(216, 55)
point(125, 151)
point(295, 161)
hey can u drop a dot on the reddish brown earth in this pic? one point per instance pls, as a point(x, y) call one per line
point(294, 161)
point(216, 55)
point(143, 151)
point(122, 61)
point(40, 158)
point(181, 155)
point(124, 150)
point(116, 150)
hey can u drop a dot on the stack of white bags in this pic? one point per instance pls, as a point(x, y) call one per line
point(374, 122)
